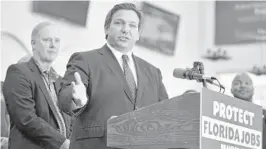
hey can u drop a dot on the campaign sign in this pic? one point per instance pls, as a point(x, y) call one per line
point(229, 123)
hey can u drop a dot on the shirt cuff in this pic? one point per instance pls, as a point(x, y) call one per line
point(65, 145)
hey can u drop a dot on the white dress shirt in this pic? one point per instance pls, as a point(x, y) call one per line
point(131, 63)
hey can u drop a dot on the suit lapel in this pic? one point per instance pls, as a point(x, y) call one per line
point(38, 78)
point(142, 79)
point(114, 67)
point(57, 84)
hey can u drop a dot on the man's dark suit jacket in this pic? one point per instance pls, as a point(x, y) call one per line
point(4, 120)
point(108, 93)
point(264, 129)
point(31, 109)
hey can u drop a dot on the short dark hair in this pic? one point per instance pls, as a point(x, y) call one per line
point(121, 6)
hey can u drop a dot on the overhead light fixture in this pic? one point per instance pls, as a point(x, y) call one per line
point(215, 55)
point(258, 70)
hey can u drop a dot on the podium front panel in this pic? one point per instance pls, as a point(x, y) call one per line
point(228, 122)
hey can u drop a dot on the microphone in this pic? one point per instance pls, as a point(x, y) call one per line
point(190, 74)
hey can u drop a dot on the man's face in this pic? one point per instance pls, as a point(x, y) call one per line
point(47, 43)
point(242, 87)
point(123, 31)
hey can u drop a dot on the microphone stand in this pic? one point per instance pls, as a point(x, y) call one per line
point(201, 70)
point(205, 81)
point(198, 66)
point(198, 70)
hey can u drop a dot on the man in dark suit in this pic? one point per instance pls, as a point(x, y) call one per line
point(30, 92)
point(264, 129)
point(109, 81)
point(5, 124)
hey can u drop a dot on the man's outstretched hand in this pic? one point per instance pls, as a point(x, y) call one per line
point(79, 93)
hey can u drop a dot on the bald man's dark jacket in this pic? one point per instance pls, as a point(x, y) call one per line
point(32, 113)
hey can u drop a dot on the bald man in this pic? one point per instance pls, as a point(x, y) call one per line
point(30, 91)
point(242, 87)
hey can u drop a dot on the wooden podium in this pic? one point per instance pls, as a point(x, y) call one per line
point(206, 120)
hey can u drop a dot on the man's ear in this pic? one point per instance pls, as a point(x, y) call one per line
point(252, 90)
point(106, 31)
point(138, 36)
point(32, 42)
point(139, 33)
point(232, 90)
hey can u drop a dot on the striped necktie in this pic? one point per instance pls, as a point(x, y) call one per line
point(59, 117)
point(129, 76)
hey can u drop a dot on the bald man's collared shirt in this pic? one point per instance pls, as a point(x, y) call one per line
point(131, 62)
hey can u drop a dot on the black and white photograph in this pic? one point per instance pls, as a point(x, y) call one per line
point(125, 74)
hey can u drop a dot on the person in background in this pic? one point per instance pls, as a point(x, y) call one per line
point(5, 124)
point(264, 129)
point(30, 91)
point(243, 88)
point(109, 81)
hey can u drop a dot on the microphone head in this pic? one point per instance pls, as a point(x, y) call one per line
point(179, 73)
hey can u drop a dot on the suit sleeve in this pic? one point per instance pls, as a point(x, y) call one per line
point(162, 91)
point(18, 92)
point(78, 64)
point(5, 123)
point(264, 129)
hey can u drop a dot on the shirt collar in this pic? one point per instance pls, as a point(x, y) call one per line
point(118, 54)
point(52, 74)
